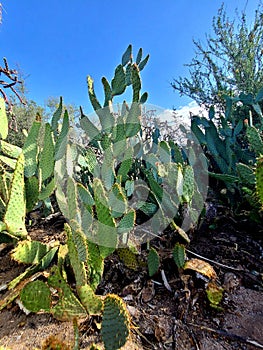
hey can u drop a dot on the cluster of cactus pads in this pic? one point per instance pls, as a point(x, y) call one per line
point(114, 187)
point(94, 181)
point(27, 174)
point(233, 145)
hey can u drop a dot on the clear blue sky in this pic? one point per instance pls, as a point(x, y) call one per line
point(57, 43)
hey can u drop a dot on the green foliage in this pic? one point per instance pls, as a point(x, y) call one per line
point(95, 184)
point(21, 120)
point(231, 146)
point(230, 62)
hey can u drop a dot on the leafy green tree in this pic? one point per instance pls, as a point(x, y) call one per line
point(52, 103)
point(21, 119)
point(230, 61)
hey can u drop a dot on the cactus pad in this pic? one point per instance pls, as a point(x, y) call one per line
point(29, 252)
point(16, 206)
point(30, 149)
point(3, 120)
point(46, 159)
point(90, 300)
point(115, 323)
point(259, 179)
point(153, 262)
point(255, 140)
point(36, 296)
point(179, 255)
point(68, 307)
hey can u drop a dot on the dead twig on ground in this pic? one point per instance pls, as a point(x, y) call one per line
point(227, 335)
point(215, 262)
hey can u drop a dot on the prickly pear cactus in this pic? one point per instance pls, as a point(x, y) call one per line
point(259, 179)
point(3, 120)
point(255, 140)
point(14, 217)
point(153, 262)
point(36, 296)
point(115, 326)
point(68, 306)
point(29, 252)
point(179, 255)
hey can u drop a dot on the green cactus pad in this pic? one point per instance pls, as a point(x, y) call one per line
point(127, 222)
point(164, 152)
point(36, 296)
point(47, 191)
point(9, 150)
point(4, 190)
point(133, 125)
point(107, 91)
point(181, 232)
point(91, 130)
point(196, 130)
point(30, 149)
point(95, 265)
point(10, 162)
point(224, 177)
point(179, 255)
point(128, 74)
point(2, 209)
point(259, 179)
point(30, 252)
point(115, 326)
point(118, 83)
point(117, 201)
point(3, 120)
point(71, 198)
point(127, 56)
point(128, 257)
point(77, 255)
point(68, 306)
point(136, 83)
point(144, 97)
point(90, 300)
point(246, 174)
point(16, 206)
point(81, 243)
point(143, 63)
point(93, 99)
point(32, 188)
point(119, 130)
point(85, 195)
point(46, 159)
point(102, 207)
point(126, 164)
point(32, 269)
point(56, 116)
point(61, 142)
point(139, 56)
point(255, 140)
point(153, 262)
point(107, 169)
point(188, 184)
